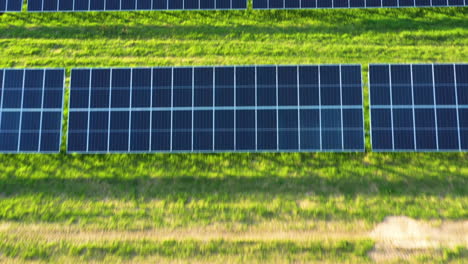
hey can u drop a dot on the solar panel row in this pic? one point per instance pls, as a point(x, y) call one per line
point(11, 5)
point(211, 109)
point(115, 5)
point(31, 103)
point(299, 4)
point(419, 107)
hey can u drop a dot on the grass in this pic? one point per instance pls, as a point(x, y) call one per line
point(227, 193)
point(190, 249)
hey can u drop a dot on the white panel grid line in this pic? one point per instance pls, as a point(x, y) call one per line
point(312, 107)
point(193, 103)
point(298, 109)
point(213, 101)
point(89, 108)
point(277, 120)
point(151, 105)
point(412, 106)
point(1, 98)
point(362, 109)
point(42, 113)
point(369, 95)
point(235, 107)
point(320, 106)
point(63, 107)
point(21, 113)
point(456, 103)
point(130, 112)
point(172, 105)
point(110, 106)
point(435, 109)
point(256, 129)
point(391, 104)
point(69, 110)
point(341, 108)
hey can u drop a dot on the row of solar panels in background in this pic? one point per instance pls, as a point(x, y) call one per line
point(419, 107)
point(31, 104)
point(216, 109)
point(113, 5)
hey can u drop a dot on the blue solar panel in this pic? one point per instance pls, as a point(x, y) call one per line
point(419, 107)
point(31, 103)
point(307, 4)
point(216, 109)
point(11, 5)
point(126, 5)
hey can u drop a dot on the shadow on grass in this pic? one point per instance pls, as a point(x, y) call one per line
point(207, 32)
point(166, 176)
point(206, 25)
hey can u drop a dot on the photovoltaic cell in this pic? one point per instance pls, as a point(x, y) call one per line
point(126, 5)
point(419, 107)
point(11, 5)
point(31, 103)
point(216, 109)
point(307, 4)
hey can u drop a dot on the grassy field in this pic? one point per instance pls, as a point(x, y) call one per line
point(224, 208)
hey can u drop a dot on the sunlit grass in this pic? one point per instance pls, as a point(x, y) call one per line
point(230, 191)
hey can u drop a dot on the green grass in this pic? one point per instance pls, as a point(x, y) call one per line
point(191, 250)
point(240, 191)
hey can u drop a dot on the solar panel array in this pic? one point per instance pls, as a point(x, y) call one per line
point(297, 4)
point(11, 5)
point(419, 107)
point(121, 5)
point(31, 103)
point(216, 109)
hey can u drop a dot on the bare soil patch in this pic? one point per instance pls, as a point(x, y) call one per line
point(401, 237)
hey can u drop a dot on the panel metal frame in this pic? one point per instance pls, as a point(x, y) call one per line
point(40, 110)
point(413, 107)
point(233, 108)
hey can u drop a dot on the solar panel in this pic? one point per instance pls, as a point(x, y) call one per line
point(126, 5)
point(419, 107)
point(11, 5)
point(216, 109)
point(306, 4)
point(31, 103)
